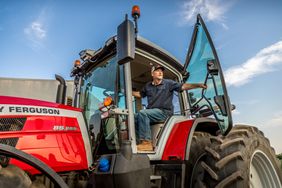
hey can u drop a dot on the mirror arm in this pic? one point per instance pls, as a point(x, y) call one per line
point(210, 106)
point(214, 84)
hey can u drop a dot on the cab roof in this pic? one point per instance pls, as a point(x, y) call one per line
point(143, 44)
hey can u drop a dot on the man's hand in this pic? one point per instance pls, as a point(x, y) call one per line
point(136, 94)
point(203, 86)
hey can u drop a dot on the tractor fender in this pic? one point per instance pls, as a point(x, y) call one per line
point(208, 125)
point(180, 137)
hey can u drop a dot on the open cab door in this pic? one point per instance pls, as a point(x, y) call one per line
point(202, 65)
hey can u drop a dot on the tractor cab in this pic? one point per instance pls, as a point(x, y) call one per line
point(104, 84)
point(106, 81)
point(103, 91)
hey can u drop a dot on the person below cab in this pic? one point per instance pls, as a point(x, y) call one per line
point(159, 93)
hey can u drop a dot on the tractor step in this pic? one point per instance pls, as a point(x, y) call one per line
point(156, 181)
point(150, 152)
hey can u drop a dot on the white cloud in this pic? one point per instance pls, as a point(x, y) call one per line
point(248, 102)
point(235, 112)
point(276, 120)
point(36, 34)
point(210, 10)
point(35, 30)
point(263, 62)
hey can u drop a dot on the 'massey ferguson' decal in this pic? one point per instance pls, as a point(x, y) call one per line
point(30, 110)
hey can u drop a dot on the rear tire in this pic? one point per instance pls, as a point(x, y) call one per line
point(243, 158)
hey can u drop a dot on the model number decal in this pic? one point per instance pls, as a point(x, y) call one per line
point(64, 128)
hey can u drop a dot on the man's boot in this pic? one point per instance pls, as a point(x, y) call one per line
point(145, 145)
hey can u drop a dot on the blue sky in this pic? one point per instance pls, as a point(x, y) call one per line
point(40, 38)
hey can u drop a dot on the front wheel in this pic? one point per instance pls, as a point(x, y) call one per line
point(242, 159)
point(16, 177)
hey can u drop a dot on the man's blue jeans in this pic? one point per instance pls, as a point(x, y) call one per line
point(144, 118)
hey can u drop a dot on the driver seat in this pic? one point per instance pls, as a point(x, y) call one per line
point(156, 129)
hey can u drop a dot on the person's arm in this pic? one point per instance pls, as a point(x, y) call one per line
point(187, 86)
point(136, 94)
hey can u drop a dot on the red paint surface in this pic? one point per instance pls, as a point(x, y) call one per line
point(62, 150)
point(176, 144)
point(34, 102)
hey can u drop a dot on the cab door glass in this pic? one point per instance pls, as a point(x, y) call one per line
point(204, 67)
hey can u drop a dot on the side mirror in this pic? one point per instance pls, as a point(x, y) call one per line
point(94, 124)
point(125, 41)
point(233, 107)
point(220, 101)
point(212, 67)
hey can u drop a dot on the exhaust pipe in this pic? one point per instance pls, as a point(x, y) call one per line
point(61, 91)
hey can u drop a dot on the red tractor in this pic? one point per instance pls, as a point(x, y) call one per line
point(93, 143)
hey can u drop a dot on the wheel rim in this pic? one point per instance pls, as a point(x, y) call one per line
point(262, 172)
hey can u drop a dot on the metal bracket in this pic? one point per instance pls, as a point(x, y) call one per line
point(119, 111)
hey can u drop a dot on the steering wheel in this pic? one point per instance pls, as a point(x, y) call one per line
point(106, 94)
